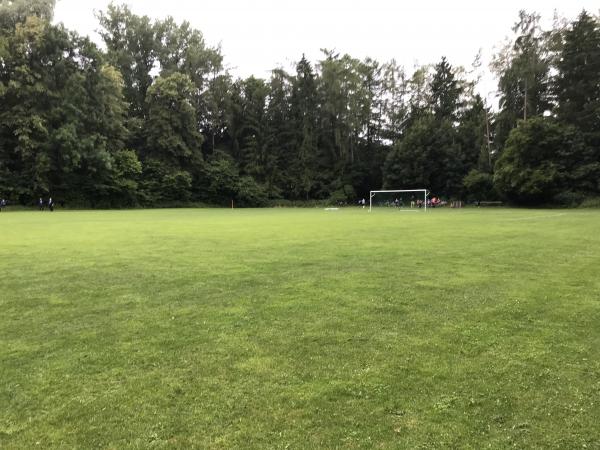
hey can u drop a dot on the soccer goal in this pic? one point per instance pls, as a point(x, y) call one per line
point(413, 200)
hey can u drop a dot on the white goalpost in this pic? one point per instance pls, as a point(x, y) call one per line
point(418, 199)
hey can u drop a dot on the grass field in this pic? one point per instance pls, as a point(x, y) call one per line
point(300, 329)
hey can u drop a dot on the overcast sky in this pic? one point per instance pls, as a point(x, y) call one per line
point(259, 35)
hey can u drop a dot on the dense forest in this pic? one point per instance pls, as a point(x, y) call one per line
point(153, 118)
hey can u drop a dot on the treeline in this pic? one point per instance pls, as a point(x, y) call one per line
point(156, 119)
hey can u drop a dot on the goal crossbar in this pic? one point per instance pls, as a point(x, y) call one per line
point(424, 191)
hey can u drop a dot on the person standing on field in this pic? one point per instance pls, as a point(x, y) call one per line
point(50, 204)
point(41, 204)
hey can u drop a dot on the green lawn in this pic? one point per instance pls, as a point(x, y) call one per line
point(282, 328)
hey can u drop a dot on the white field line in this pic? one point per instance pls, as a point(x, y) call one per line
point(548, 216)
point(406, 210)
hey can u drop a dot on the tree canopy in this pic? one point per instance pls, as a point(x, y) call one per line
point(154, 118)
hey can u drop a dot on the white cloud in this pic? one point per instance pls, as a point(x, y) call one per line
point(259, 35)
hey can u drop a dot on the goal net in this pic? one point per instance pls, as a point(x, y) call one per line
point(404, 200)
